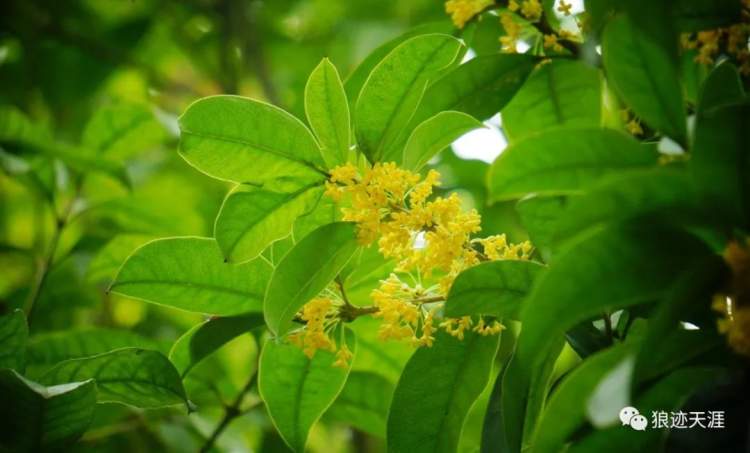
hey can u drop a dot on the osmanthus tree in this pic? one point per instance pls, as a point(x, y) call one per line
point(374, 296)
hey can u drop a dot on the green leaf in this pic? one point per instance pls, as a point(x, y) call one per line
point(205, 338)
point(252, 218)
point(43, 418)
point(666, 344)
point(494, 288)
point(564, 161)
point(13, 335)
point(720, 162)
point(643, 70)
point(190, 274)
point(132, 376)
point(434, 135)
point(664, 192)
point(298, 390)
point(123, 130)
point(539, 217)
point(722, 86)
point(49, 348)
point(394, 88)
point(328, 112)
point(356, 80)
point(480, 87)
point(247, 141)
point(565, 412)
point(436, 390)
point(493, 436)
point(611, 268)
point(305, 271)
point(363, 403)
point(560, 93)
point(107, 261)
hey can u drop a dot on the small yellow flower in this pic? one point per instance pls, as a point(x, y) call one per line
point(462, 11)
point(512, 33)
point(551, 42)
point(564, 7)
point(634, 127)
point(532, 10)
point(513, 6)
point(456, 327)
point(343, 356)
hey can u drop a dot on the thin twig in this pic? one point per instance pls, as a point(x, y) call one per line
point(45, 266)
point(230, 413)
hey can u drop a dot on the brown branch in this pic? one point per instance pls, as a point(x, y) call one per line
point(230, 413)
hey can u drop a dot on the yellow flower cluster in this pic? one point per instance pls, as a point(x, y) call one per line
point(531, 10)
point(512, 33)
point(731, 41)
point(735, 306)
point(391, 205)
point(462, 11)
point(319, 316)
point(315, 314)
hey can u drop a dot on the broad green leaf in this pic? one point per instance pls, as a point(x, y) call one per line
point(669, 394)
point(560, 93)
point(493, 436)
point(524, 393)
point(107, 261)
point(13, 335)
point(252, 218)
point(611, 268)
point(356, 80)
point(18, 131)
point(305, 271)
point(394, 88)
point(666, 345)
point(720, 162)
point(132, 376)
point(205, 338)
point(363, 403)
point(564, 161)
point(664, 192)
point(49, 348)
point(328, 112)
point(480, 87)
point(539, 217)
point(436, 390)
point(298, 390)
point(250, 142)
point(722, 86)
point(565, 412)
point(494, 288)
point(190, 274)
point(43, 418)
point(434, 135)
point(643, 70)
point(123, 130)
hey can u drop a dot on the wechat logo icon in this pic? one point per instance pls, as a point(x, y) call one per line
point(631, 417)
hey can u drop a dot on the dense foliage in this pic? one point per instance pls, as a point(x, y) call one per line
point(330, 275)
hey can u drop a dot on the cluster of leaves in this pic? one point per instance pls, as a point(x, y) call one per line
point(629, 236)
